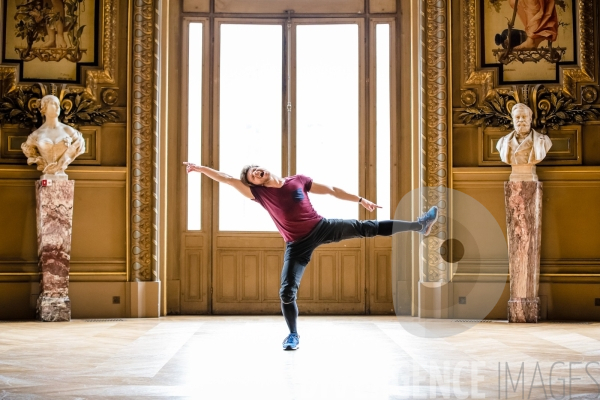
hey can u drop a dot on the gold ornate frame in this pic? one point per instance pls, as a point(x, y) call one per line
point(93, 76)
point(487, 79)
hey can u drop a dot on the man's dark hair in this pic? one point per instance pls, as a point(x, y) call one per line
point(244, 175)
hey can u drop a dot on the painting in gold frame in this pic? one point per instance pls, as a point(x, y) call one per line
point(50, 39)
point(486, 78)
point(529, 42)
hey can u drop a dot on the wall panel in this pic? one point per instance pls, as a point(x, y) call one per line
point(193, 261)
point(250, 276)
point(350, 282)
point(570, 251)
point(272, 275)
point(326, 265)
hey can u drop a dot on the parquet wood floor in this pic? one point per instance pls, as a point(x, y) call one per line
point(240, 357)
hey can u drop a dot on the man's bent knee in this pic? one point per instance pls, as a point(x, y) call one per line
point(287, 295)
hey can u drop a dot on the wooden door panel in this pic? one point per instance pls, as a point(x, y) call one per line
point(251, 265)
point(326, 265)
point(380, 276)
point(383, 278)
point(272, 275)
point(189, 280)
point(193, 282)
point(227, 281)
point(307, 286)
point(250, 276)
point(247, 280)
point(350, 276)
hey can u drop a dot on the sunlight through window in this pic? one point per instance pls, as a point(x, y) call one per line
point(194, 126)
point(250, 116)
point(327, 112)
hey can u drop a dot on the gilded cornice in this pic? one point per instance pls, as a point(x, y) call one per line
point(141, 136)
point(436, 98)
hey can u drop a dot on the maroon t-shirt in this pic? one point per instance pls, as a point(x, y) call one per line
point(289, 206)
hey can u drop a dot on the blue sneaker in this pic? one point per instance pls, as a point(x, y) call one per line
point(427, 220)
point(291, 342)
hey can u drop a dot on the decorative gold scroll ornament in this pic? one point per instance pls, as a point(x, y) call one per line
point(551, 109)
point(20, 105)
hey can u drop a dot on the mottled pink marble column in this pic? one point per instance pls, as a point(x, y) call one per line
point(54, 221)
point(524, 228)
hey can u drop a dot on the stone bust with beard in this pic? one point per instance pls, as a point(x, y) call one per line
point(523, 146)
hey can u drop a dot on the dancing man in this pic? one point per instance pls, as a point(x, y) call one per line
point(303, 229)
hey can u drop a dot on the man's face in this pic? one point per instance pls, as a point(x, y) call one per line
point(521, 120)
point(258, 175)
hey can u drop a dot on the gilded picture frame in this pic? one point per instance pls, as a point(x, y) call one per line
point(569, 74)
point(50, 40)
point(541, 40)
point(88, 75)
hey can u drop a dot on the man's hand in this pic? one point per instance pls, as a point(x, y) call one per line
point(369, 205)
point(189, 167)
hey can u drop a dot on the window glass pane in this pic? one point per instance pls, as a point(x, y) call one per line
point(327, 112)
point(194, 125)
point(382, 106)
point(250, 116)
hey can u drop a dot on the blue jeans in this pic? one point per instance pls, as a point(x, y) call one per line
point(298, 253)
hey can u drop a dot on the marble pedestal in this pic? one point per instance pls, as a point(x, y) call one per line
point(54, 221)
point(524, 227)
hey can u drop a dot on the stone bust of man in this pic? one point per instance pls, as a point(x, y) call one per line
point(523, 146)
point(54, 145)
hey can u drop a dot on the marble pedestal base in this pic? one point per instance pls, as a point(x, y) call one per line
point(54, 222)
point(54, 309)
point(524, 231)
point(524, 310)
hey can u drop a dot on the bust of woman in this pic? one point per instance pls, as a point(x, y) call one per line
point(54, 145)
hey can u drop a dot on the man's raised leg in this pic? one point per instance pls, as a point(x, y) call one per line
point(423, 224)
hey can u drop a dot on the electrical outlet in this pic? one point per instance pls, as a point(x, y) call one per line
point(462, 300)
point(116, 299)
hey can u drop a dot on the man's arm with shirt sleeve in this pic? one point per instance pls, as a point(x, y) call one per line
point(318, 188)
point(220, 177)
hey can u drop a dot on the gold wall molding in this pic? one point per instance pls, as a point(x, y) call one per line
point(436, 128)
point(486, 79)
point(141, 140)
point(109, 51)
point(587, 57)
point(493, 176)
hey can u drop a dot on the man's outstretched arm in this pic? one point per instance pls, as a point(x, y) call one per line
point(220, 177)
point(319, 188)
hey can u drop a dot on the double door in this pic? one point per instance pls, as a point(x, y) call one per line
point(315, 97)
